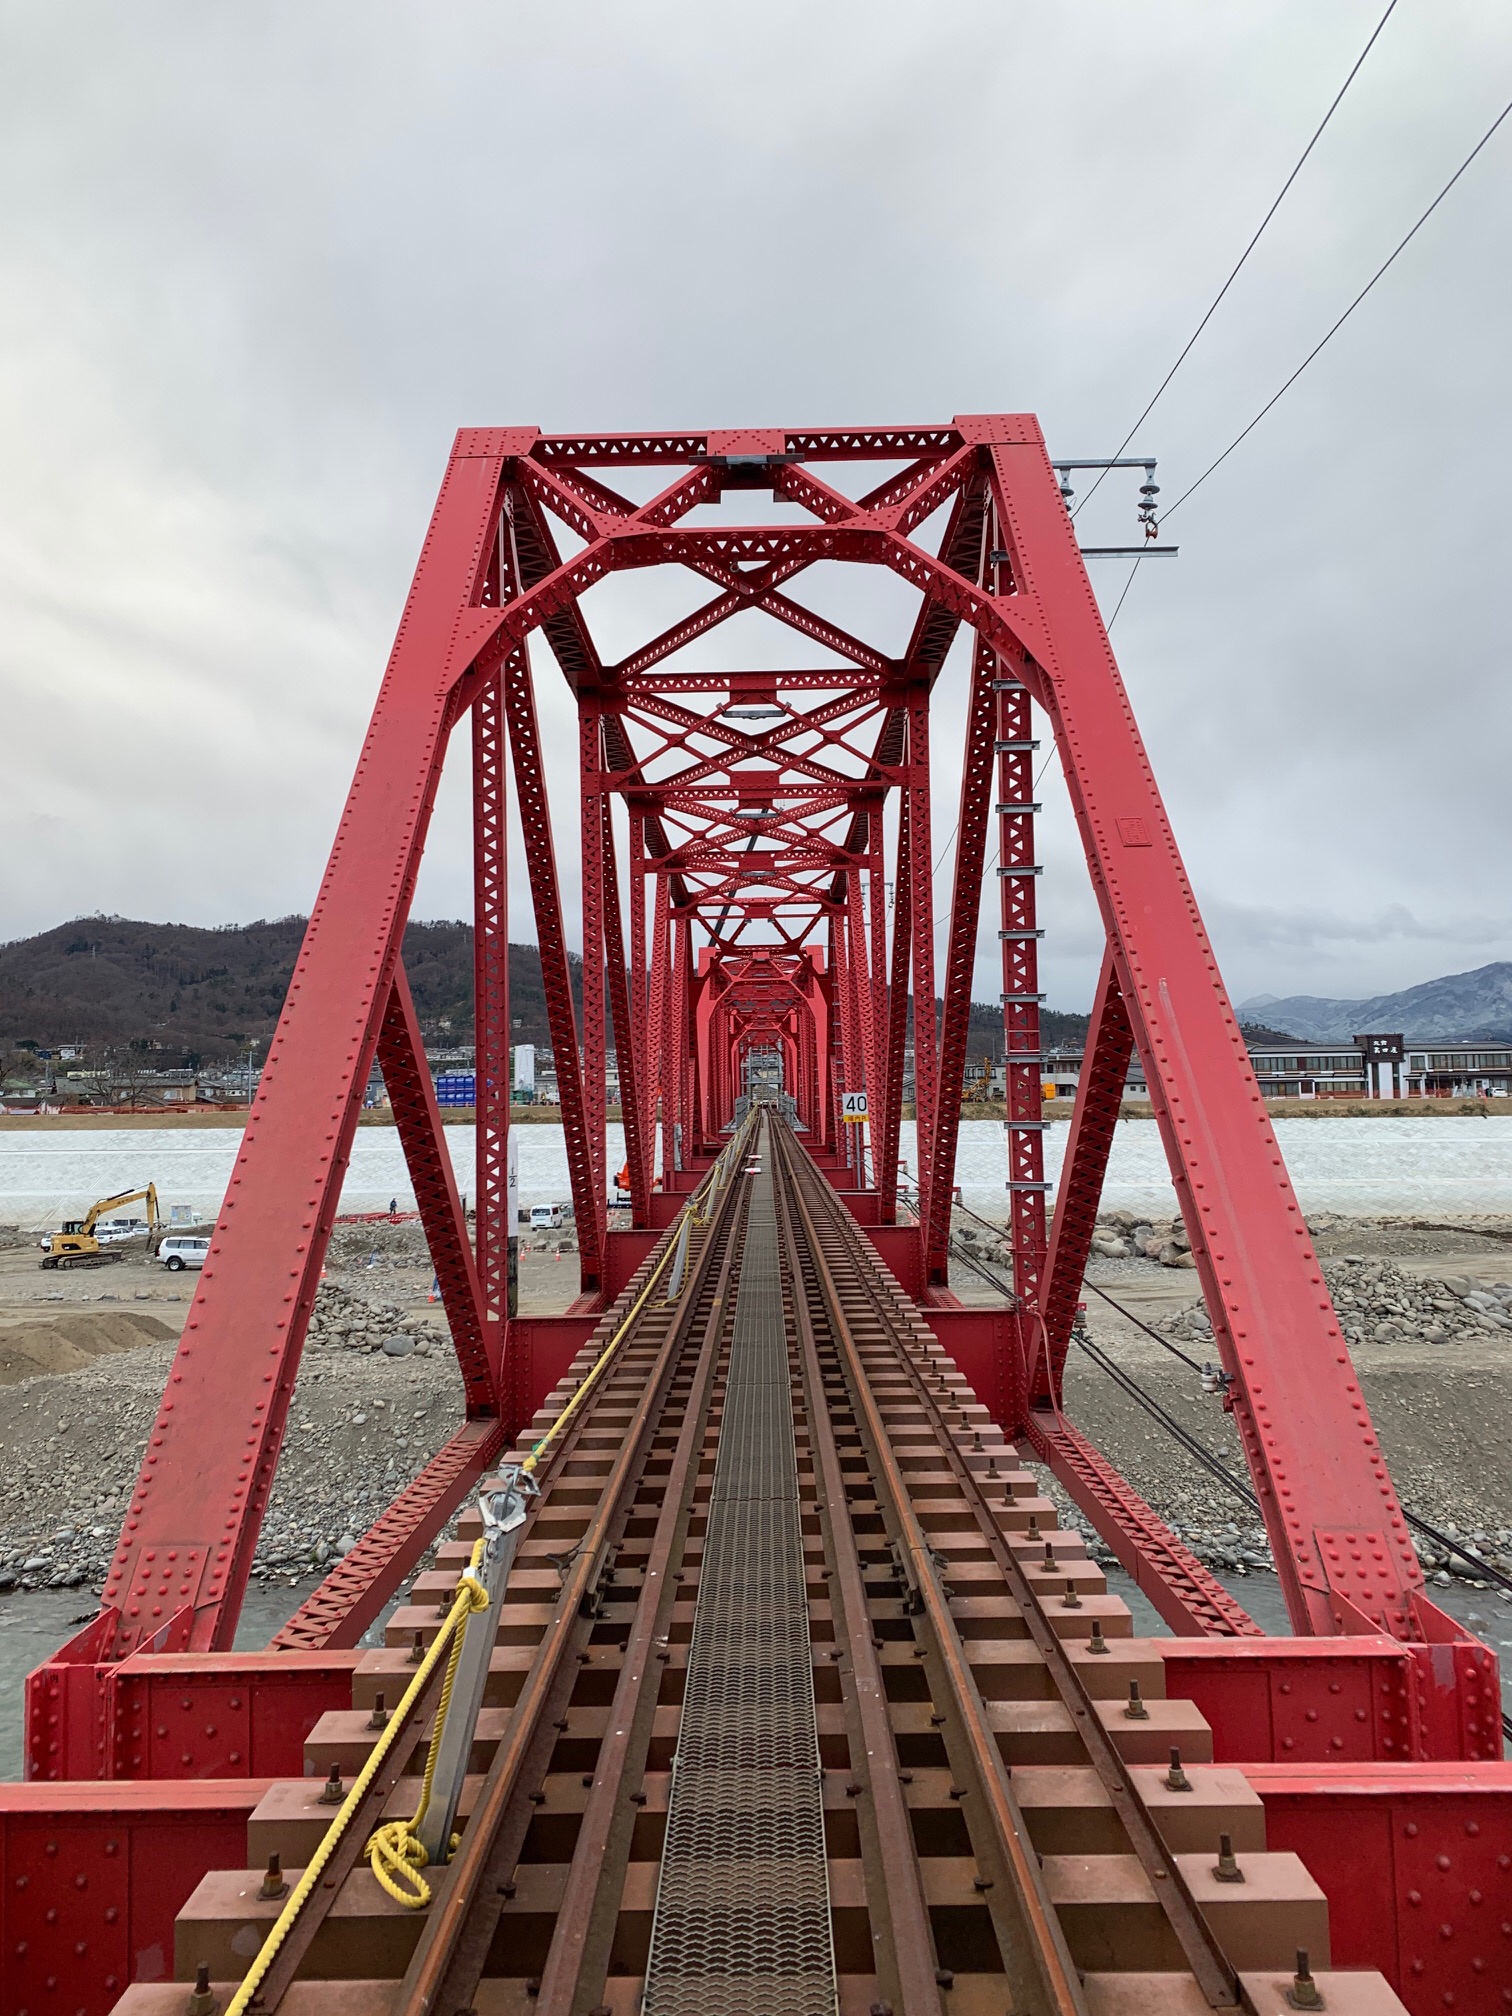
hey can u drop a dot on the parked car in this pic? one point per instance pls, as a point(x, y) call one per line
point(111, 1230)
point(178, 1253)
point(545, 1217)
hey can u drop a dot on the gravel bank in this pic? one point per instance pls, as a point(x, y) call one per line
point(364, 1419)
point(1427, 1309)
point(1433, 1353)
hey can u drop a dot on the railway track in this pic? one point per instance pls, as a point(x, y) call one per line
point(798, 1700)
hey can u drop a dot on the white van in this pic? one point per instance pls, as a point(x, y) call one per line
point(178, 1253)
point(545, 1217)
point(111, 1231)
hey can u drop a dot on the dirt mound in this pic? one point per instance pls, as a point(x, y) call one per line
point(68, 1343)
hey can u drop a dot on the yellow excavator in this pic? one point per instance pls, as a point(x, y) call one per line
point(76, 1245)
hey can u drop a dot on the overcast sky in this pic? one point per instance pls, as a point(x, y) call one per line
point(257, 265)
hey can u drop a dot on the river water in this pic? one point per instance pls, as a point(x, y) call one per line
point(1358, 1165)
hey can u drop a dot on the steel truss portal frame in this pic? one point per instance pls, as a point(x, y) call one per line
point(775, 814)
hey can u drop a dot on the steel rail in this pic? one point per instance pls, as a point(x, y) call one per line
point(1040, 1969)
point(899, 1913)
point(1212, 1972)
point(453, 1947)
point(581, 1943)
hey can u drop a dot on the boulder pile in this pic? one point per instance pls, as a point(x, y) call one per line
point(1124, 1235)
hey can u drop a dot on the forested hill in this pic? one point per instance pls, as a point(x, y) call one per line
point(200, 995)
point(109, 982)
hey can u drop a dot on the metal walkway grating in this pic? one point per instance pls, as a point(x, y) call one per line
point(742, 1922)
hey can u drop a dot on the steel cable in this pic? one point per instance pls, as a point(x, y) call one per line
point(1234, 275)
point(1379, 273)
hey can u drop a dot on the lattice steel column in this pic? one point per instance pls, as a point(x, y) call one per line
point(660, 1078)
point(742, 1908)
point(876, 922)
point(540, 861)
point(493, 1232)
point(679, 1010)
point(590, 784)
point(640, 994)
point(626, 1047)
point(1019, 937)
point(897, 1023)
point(926, 1083)
point(960, 962)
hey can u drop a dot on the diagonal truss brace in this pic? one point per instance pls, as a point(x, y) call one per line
point(412, 1093)
point(1099, 1096)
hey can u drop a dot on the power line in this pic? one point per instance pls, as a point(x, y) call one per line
point(940, 863)
point(1380, 271)
point(1124, 597)
point(1244, 255)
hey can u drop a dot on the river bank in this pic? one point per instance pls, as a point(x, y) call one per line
point(188, 1119)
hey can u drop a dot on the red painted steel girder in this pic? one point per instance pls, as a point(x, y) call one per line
point(750, 834)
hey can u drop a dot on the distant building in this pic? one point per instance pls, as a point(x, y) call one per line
point(1384, 1067)
point(525, 1067)
point(1449, 1068)
point(1377, 1067)
point(1302, 1073)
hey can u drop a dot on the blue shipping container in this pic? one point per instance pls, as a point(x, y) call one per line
point(457, 1088)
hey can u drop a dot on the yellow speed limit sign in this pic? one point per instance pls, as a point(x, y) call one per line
point(853, 1106)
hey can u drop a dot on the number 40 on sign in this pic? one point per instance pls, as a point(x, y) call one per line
point(853, 1105)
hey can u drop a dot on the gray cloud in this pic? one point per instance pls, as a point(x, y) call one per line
point(255, 268)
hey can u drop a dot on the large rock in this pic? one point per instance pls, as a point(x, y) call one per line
point(398, 1346)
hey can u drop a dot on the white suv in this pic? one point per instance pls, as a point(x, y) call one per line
point(177, 1254)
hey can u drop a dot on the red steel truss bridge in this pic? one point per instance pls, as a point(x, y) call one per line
point(758, 851)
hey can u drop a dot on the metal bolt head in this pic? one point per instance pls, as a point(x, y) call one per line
point(333, 1792)
point(1176, 1779)
point(1071, 1601)
point(273, 1884)
point(1136, 1710)
point(1304, 1992)
point(1097, 1642)
point(201, 2002)
point(1226, 1869)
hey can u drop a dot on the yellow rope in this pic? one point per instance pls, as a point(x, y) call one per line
point(395, 1852)
point(440, 1645)
point(601, 1363)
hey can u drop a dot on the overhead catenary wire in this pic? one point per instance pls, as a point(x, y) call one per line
point(1238, 267)
point(1124, 596)
point(945, 850)
point(1333, 331)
